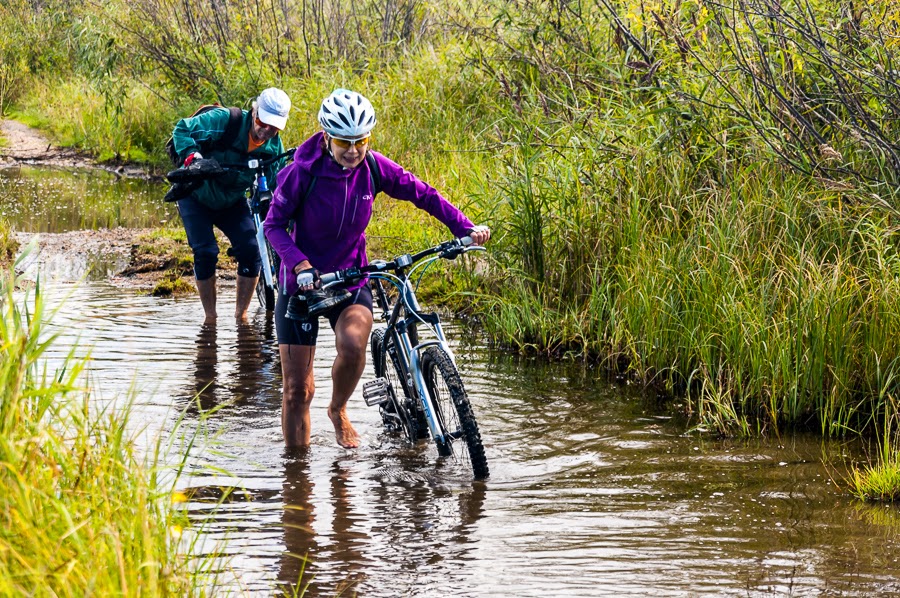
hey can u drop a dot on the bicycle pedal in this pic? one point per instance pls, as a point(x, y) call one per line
point(376, 392)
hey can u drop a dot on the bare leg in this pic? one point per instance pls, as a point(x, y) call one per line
point(207, 290)
point(245, 288)
point(298, 388)
point(351, 339)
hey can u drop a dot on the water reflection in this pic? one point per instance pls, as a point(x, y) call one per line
point(249, 369)
point(354, 529)
point(58, 200)
point(303, 548)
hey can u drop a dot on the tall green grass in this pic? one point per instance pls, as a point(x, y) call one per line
point(83, 511)
point(654, 214)
point(879, 478)
point(765, 299)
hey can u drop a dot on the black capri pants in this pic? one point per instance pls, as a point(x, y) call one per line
point(235, 222)
point(306, 331)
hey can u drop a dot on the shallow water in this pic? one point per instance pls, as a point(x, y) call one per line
point(594, 490)
point(38, 200)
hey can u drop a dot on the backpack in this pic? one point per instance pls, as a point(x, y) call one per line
point(235, 117)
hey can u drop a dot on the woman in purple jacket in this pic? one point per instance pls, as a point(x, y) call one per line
point(329, 233)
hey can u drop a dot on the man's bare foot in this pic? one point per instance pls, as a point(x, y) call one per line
point(210, 319)
point(343, 430)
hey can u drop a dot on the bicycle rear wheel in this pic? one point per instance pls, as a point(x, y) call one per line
point(398, 414)
point(453, 412)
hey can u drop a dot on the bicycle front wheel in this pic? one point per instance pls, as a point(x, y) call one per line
point(453, 412)
point(264, 293)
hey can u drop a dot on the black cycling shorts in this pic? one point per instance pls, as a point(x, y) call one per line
point(304, 332)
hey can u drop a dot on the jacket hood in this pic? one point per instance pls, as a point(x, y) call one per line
point(312, 157)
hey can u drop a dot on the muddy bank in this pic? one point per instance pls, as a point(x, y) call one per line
point(25, 145)
point(141, 258)
point(138, 258)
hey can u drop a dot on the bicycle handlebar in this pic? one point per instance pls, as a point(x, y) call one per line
point(257, 164)
point(447, 249)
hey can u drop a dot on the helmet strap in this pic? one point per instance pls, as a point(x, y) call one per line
point(331, 153)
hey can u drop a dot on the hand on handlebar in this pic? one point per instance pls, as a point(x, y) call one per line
point(308, 279)
point(480, 235)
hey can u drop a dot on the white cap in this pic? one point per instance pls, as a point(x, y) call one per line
point(273, 107)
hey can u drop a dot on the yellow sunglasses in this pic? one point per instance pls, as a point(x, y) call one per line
point(263, 125)
point(347, 143)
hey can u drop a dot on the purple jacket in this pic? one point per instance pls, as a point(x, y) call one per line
point(330, 231)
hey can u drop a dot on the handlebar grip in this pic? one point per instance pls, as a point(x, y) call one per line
point(465, 241)
point(330, 277)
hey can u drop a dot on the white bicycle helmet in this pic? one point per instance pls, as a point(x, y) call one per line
point(346, 114)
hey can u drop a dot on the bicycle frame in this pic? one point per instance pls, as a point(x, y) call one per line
point(409, 355)
point(259, 200)
point(256, 209)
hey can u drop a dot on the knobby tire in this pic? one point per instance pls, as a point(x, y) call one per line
point(399, 405)
point(454, 411)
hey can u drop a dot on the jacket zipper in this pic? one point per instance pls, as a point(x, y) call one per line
point(344, 210)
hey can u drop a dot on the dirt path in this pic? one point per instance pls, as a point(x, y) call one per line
point(25, 145)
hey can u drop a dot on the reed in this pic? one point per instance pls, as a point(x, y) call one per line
point(84, 510)
point(878, 480)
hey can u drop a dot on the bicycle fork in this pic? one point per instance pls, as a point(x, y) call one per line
point(418, 379)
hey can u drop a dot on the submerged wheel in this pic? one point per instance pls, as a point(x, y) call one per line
point(395, 414)
point(267, 295)
point(454, 412)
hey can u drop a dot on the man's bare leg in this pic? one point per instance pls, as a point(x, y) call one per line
point(351, 340)
point(207, 290)
point(246, 286)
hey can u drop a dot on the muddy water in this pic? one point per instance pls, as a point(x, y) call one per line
point(55, 200)
point(594, 490)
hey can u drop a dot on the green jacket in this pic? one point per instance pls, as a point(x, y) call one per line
point(194, 135)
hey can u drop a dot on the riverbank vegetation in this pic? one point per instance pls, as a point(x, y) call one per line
point(8, 245)
point(84, 512)
point(702, 194)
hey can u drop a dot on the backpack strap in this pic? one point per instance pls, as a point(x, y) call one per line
point(309, 190)
point(374, 173)
point(235, 119)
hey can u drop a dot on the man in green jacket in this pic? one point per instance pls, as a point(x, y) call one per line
point(220, 201)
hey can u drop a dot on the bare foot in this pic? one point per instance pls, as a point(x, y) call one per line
point(210, 319)
point(343, 430)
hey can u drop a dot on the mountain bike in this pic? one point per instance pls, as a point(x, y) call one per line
point(417, 389)
point(259, 198)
